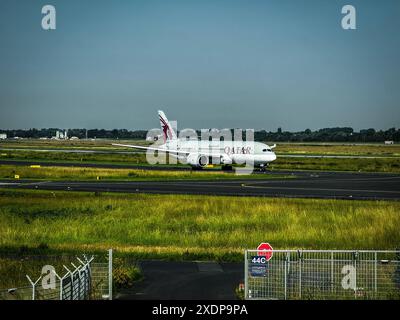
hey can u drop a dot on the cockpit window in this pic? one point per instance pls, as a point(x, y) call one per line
point(265, 150)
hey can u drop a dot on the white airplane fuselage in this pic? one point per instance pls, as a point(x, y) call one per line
point(226, 152)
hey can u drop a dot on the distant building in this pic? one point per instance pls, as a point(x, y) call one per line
point(63, 135)
point(74, 138)
point(3, 136)
point(389, 142)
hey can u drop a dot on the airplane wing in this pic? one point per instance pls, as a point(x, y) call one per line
point(209, 154)
point(150, 148)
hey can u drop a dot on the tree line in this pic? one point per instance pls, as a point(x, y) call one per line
point(339, 134)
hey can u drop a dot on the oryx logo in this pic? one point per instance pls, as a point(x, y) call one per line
point(165, 129)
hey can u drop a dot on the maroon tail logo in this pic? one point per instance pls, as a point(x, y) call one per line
point(165, 129)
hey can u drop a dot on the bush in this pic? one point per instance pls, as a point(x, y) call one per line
point(125, 275)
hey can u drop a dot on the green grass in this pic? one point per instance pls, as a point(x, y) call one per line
point(388, 165)
point(379, 164)
point(78, 173)
point(98, 144)
point(339, 149)
point(191, 227)
point(134, 158)
point(367, 149)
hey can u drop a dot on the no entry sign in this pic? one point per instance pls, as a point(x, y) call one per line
point(265, 249)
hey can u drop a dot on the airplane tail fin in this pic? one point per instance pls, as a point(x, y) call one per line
point(168, 131)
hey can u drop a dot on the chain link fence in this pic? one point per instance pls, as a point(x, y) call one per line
point(102, 270)
point(82, 279)
point(317, 274)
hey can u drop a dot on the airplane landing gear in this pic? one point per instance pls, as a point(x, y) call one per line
point(227, 168)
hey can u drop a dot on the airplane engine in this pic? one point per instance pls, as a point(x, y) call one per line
point(197, 160)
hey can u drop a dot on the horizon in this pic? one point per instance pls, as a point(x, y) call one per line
point(256, 130)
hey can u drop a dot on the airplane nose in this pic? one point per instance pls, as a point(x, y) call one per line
point(273, 156)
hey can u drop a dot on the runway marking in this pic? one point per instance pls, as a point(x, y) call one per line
point(323, 180)
point(316, 156)
point(291, 188)
point(238, 184)
point(33, 183)
point(260, 187)
point(322, 189)
point(23, 184)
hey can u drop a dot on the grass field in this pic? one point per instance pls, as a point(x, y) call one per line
point(362, 165)
point(388, 165)
point(387, 157)
point(190, 227)
point(98, 144)
point(367, 149)
point(134, 158)
point(339, 149)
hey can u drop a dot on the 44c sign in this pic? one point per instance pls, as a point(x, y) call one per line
point(258, 260)
point(258, 265)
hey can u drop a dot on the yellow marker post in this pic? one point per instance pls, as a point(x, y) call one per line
point(35, 166)
point(16, 176)
point(98, 178)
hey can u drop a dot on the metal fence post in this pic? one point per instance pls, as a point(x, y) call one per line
point(72, 283)
point(286, 276)
point(376, 274)
point(62, 286)
point(355, 274)
point(33, 286)
point(110, 275)
point(246, 277)
point(59, 279)
point(300, 259)
point(84, 268)
point(89, 279)
point(332, 272)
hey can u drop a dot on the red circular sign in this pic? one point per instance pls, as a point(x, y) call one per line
point(265, 249)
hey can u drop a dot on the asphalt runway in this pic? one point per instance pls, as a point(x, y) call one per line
point(186, 280)
point(324, 185)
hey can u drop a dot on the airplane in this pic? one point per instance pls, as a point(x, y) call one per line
point(197, 153)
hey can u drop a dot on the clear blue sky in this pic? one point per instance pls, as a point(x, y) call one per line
point(218, 63)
